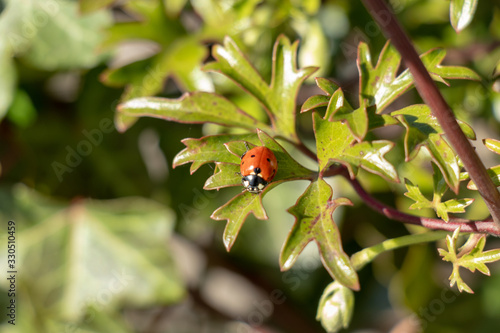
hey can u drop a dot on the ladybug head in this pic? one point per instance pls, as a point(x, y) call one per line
point(253, 183)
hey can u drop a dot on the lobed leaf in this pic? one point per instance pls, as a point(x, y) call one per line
point(473, 259)
point(423, 129)
point(210, 149)
point(278, 97)
point(335, 143)
point(197, 107)
point(313, 212)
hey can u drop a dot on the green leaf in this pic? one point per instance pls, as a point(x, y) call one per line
point(414, 193)
point(67, 40)
point(225, 175)
point(237, 210)
point(197, 107)
point(462, 13)
point(313, 212)
point(210, 149)
point(95, 248)
point(442, 208)
point(180, 60)
point(335, 143)
point(423, 129)
point(340, 110)
point(432, 60)
point(278, 97)
point(328, 86)
point(473, 259)
point(493, 172)
point(380, 86)
point(336, 307)
point(315, 102)
point(493, 145)
point(89, 6)
point(8, 79)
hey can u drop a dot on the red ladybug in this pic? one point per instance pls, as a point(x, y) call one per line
point(258, 167)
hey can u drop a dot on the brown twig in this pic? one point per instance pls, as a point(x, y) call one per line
point(429, 92)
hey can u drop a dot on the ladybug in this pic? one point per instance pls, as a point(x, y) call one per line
point(258, 167)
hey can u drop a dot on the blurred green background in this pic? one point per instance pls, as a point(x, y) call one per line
point(110, 238)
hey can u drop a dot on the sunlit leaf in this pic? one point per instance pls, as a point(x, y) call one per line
point(197, 107)
point(277, 97)
point(210, 149)
point(313, 212)
point(475, 258)
point(336, 307)
point(423, 129)
point(462, 13)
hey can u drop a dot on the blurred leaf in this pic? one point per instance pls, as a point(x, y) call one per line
point(313, 212)
point(194, 108)
point(336, 307)
point(67, 40)
point(278, 97)
point(114, 248)
point(462, 13)
point(423, 129)
point(8, 79)
point(473, 259)
point(89, 6)
point(315, 48)
point(22, 112)
point(174, 7)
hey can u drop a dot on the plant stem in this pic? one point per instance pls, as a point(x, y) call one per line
point(429, 92)
point(365, 256)
point(485, 226)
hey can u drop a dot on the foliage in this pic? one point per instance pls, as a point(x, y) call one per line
point(226, 76)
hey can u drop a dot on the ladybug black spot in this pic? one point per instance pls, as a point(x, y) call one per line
point(268, 160)
point(252, 156)
point(257, 170)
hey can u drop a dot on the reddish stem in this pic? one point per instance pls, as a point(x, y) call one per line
point(486, 226)
point(429, 92)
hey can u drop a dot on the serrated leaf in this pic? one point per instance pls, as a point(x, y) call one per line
point(236, 211)
point(328, 86)
point(210, 149)
point(474, 259)
point(288, 168)
point(380, 86)
point(278, 97)
point(462, 13)
point(340, 110)
point(423, 129)
point(432, 60)
point(197, 107)
point(414, 193)
point(225, 175)
point(313, 212)
point(314, 102)
point(335, 143)
point(442, 208)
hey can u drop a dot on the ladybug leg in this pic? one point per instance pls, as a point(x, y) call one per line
point(247, 147)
